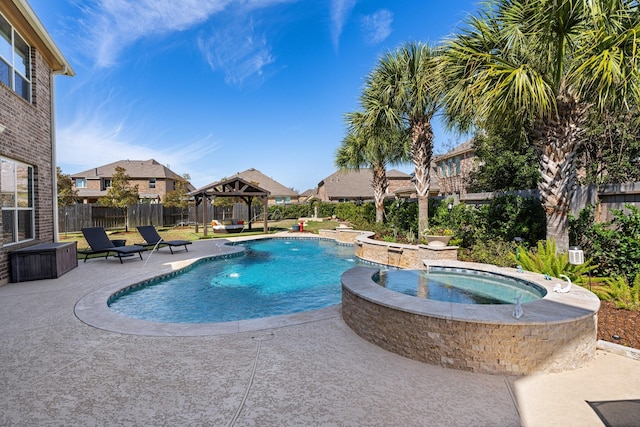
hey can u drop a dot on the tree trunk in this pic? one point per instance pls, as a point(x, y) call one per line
point(421, 152)
point(380, 184)
point(557, 140)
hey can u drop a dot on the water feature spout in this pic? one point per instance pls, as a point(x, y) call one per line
point(517, 311)
point(155, 248)
point(560, 289)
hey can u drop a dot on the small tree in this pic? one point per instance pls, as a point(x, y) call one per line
point(67, 196)
point(179, 197)
point(121, 194)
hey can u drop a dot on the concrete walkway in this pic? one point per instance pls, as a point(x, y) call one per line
point(57, 370)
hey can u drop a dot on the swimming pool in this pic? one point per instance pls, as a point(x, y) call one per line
point(464, 287)
point(273, 277)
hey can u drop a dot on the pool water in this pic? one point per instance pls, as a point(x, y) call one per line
point(458, 287)
point(273, 277)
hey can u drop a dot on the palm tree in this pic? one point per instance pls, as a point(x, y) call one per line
point(403, 92)
point(372, 148)
point(544, 63)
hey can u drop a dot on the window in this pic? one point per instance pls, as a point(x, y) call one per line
point(457, 160)
point(106, 183)
point(15, 60)
point(152, 183)
point(16, 191)
point(81, 183)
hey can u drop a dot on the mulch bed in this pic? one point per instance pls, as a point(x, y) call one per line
point(618, 326)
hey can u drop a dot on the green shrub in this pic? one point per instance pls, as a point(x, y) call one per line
point(546, 260)
point(618, 290)
point(495, 252)
point(359, 215)
point(616, 244)
point(401, 215)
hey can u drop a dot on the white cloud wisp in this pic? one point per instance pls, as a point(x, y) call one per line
point(377, 27)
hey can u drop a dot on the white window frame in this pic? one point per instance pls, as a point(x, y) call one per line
point(106, 183)
point(81, 183)
point(152, 183)
point(15, 203)
point(11, 63)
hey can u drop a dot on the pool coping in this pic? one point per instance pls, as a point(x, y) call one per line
point(93, 308)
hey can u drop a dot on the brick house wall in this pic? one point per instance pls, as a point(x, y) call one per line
point(455, 183)
point(140, 172)
point(27, 139)
point(396, 184)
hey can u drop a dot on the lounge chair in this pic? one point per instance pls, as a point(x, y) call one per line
point(152, 238)
point(99, 243)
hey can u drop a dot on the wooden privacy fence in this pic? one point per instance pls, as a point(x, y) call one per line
point(605, 197)
point(75, 217)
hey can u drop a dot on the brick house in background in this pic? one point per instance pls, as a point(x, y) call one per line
point(153, 179)
point(452, 169)
point(355, 185)
point(29, 61)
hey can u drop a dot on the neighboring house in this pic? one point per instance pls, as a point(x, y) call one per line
point(452, 169)
point(29, 60)
point(153, 179)
point(279, 194)
point(355, 185)
point(309, 194)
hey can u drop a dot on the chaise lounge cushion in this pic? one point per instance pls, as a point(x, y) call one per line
point(99, 243)
point(227, 226)
point(152, 238)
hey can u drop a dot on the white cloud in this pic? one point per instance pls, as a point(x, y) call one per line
point(340, 11)
point(238, 50)
point(93, 140)
point(377, 27)
point(113, 25)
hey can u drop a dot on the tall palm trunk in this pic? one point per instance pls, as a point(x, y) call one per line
point(421, 151)
point(557, 141)
point(380, 184)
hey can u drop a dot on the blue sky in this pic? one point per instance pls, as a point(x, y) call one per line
point(214, 87)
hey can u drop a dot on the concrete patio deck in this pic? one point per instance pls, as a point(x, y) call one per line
point(57, 370)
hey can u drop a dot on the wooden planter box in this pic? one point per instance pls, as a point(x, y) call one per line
point(43, 261)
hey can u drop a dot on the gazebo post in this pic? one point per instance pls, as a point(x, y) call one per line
point(266, 221)
point(195, 210)
point(204, 215)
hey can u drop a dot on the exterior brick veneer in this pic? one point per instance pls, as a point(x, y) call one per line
point(28, 139)
point(551, 337)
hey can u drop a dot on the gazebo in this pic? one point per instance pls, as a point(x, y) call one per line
point(232, 187)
